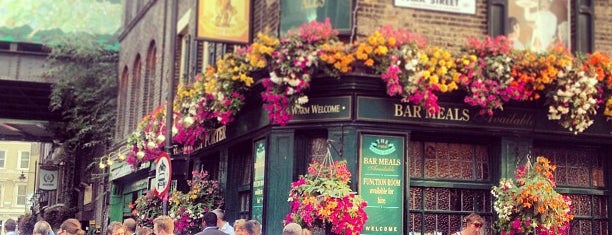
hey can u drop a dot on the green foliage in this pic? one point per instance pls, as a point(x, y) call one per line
point(85, 91)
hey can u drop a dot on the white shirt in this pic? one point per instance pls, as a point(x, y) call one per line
point(227, 228)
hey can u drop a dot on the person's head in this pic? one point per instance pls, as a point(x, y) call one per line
point(240, 227)
point(210, 219)
point(10, 225)
point(163, 225)
point(130, 225)
point(144, 231)
point(514, 29)
point(292, 229)
point(42, 228)
point(70, 227)
point(220, 215)
point(473, 223)
point(115, 228)
point(253, 227)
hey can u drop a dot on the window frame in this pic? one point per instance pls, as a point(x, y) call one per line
point(3, 156)
point(21, 160)
point(17, 195)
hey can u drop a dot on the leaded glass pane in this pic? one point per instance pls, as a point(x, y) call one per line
point(579, 176)
point(467, 200)
point(443, 224)
point(415, 222)
point(443, 199)
point(416, 159)
point(455, 223)
point(430, 168)
point(575, 166)
point(561, 175)
point(317, 149)
point(416, 198)
point(430, 198)
point(585, 227)
point(430, 223)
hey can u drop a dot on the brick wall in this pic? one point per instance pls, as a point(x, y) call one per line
point(449, 30)
point(603, 26)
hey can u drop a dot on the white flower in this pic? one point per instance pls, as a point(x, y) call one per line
point(140, 155)
point(302, 100)
point(151, 145)
point(292, 82)
point(188, 121)
point(174, 130)
point(274, 78)
point(161, 138)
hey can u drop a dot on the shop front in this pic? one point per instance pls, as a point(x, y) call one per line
point(420, 173)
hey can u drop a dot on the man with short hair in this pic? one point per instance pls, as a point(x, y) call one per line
point(9, 227)
point(130, 226)
point(163, 225)
point(210, 225)
point(222, 224)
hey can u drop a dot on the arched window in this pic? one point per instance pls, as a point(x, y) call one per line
point(135, 100)
point(122, 103)
point(149, 79)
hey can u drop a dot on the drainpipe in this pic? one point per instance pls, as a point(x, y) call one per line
point(170, 98)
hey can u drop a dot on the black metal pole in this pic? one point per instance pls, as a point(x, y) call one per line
point(170, 98)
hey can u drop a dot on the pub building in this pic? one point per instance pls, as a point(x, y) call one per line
point(420, 173)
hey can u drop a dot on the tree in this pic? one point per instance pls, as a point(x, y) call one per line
point(85, 92)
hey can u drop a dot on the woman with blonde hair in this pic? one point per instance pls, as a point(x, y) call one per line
point(70, 227)
point(473, 224)
point(240, 227)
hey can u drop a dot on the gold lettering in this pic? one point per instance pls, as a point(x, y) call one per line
point(370, 160)
point(465, 115)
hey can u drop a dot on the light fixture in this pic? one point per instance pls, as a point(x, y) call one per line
point(22, 176)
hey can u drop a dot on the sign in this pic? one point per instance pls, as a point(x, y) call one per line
point(119, 170)
point(453, 114)
point(454, 6)
point(224, 20)
point(323, 109)
point(163, 172)
point(539, 25)
point(47, 179)
point(294, 13)
point(258, 180)
point(381, 184)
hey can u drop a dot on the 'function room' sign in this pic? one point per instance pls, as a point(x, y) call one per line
point(381, 159)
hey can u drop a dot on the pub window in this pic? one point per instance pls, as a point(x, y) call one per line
point(580, 176)
point(240, 176)
point(448, 181)
point(22, 191)
point(310, 145)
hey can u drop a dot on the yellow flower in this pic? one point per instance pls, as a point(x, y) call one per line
point(381, 50)
point(369, 62)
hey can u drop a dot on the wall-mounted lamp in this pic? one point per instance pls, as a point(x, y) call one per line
point(109, 159)
point(22, 176)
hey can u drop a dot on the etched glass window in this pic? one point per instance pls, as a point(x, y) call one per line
point(579, 168)
point(437, 205)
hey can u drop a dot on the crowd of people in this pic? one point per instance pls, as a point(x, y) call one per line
point(214, 224)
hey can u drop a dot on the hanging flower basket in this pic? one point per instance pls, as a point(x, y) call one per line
point(323, 199)
point(530, 204)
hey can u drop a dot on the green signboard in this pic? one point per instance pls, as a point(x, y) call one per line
point(41, 21)
point(381, 184)
point(294, 13)
point(258, 180)
point(323, 109)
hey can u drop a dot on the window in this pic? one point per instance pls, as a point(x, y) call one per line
point(448, 181)
point(21, 194)
point(149, 87)
point(1, 195)
point(2, 158)
point(122, 102)
point(580, 168)
point(24, 160)
point(135, 99)
point(240, 177)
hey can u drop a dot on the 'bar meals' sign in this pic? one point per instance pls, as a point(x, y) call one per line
point(455, 6)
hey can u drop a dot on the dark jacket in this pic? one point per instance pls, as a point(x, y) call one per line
point(211, 231)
